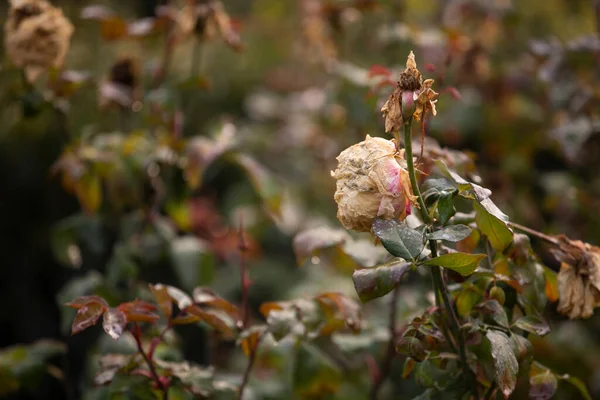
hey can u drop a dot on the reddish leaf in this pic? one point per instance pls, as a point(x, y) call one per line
point(185, 319)
point(83, 300)
point(139, 311)
point(114, 321)
point(206, 296)
point(379, 70)
point(551, 288)
point(179, 297)
point(266, 308)
point(340, 311)
point(164, 301)
point(87, 316)
point(453, 92)
point(113, 28)
point(219, 321)
point(250, 339)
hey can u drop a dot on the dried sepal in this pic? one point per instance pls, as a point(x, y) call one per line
point(412, 98)
point(371, 183)
point(579, 278)
point(36, 36)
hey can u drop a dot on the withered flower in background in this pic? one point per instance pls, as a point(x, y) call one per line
point(411, 93)
point(316, 32)
point(122, 87)
point(579, 278)
point(205, 20)
point(371, 183)
point(36, 36)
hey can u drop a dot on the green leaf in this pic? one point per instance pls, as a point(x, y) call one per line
point(493, 225)
point(445, 207)
point(371, 283)
point(466, 189)
point(496, 311)
point(409, 365)
point(579, 385)
point(412, 347)
point(542, 386)
point(399, 239)
point(308, 242)
point(434, 188)
point(466, 300)
point(533, 324)
point(463, 263)
point(452, 233)
point(521, 347)
point(505, 363)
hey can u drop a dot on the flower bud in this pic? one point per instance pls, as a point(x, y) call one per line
point(371, 183)
point(411, 98)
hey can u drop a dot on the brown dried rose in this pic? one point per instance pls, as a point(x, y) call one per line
point(36, 36)
point(579, 278)
point(371, 183)
point(417, 96)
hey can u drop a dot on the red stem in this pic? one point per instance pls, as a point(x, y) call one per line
point(137, 335)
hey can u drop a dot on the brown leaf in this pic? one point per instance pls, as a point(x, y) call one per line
point(83, 300)
point(139, 311)
point(164, 301)
point(87, 316)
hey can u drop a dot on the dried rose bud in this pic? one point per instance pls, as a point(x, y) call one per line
point(371, 183)
point(36, 35)
point(411, 98)
point(578, 279)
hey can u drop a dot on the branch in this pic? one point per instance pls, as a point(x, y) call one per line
point(251, 360)
point(436, 272)
point(386, 364)
point(136, 333)
point(245, 280)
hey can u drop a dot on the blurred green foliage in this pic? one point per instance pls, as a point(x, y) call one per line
point(101, 200)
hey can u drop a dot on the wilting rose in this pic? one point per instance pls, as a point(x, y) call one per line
point(413, 94)
point(578, 279)
point(36, 35)
point(371, 183)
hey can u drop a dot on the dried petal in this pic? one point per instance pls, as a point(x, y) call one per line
point(371, 183)
point(579, 278)
point(392, 112)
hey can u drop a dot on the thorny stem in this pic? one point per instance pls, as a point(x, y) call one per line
point(251, 360)
point(438, 280)
point(386, 365)
point(136, 333)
